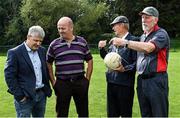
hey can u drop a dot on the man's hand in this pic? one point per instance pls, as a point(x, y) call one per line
point(89, 69)
point(53, 82)
point(120, 68)
point(117, 41)
point(102, 43)
point(24, 98)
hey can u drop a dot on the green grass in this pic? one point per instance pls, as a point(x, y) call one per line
point(97, 91)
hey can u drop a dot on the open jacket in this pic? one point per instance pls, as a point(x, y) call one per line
point(19, 73)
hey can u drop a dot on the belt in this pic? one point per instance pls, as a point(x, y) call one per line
point(68, 77)
point(148, 76)
point(71, 78)
point(151, 75)
point(39, 89)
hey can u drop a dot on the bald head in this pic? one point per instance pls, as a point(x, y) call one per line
point(65, 27)
point(66, 20)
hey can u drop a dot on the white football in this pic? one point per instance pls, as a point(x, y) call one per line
point(112, 60)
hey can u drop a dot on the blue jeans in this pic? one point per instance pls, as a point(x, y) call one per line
point(29, 107)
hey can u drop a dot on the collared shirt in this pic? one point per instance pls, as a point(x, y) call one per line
point(125, 35)
point(36, 62)
point(157, 60)
point(69, 57)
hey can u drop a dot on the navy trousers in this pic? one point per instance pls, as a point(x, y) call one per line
point(119, 100)
point(153, 95)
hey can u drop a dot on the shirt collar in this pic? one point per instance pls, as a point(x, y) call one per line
point(63, 40)
point(27, 48)
point(125, 35)
point(155, 28)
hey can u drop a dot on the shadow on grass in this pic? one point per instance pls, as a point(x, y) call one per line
point(2, 54)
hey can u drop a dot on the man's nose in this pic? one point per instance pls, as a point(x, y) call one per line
point(38, 43)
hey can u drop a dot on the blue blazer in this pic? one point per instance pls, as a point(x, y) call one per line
point(19, 73)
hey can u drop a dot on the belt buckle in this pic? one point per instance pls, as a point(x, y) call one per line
point(71, 80)
point(38, 90)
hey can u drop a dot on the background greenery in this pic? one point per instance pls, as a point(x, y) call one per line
point(91, 17)
point(97, 91)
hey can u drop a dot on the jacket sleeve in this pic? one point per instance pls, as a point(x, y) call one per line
point(132, 65)
point(103, 52)
point(10, 72)
point(47, 87)
point(133, 56)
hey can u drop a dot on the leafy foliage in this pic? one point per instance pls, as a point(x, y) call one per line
point(84, 14)
point(8, 10)
point(91, 17)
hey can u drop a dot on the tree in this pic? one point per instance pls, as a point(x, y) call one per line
point(16, 32)
point(83, 13)
point(91, 17)
point(8, 9)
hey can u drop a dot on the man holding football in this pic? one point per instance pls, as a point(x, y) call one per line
point(120, 81)
point(152, 60)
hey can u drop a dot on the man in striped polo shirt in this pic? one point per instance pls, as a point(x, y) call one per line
point(68, 52)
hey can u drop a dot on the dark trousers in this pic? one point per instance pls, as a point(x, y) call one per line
point(153, 95)
point(78, 89)
point(119, 100)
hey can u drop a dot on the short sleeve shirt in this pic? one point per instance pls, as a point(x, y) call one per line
point(69, 58)
point(157, 60)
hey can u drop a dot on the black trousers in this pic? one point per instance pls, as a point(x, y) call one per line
point(76, 88)
point(119, 100)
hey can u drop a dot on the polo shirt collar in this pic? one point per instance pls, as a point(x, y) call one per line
point(155, 28)
point(74, 40)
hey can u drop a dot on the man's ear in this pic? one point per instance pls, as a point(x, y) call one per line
point(156, 20)
point(28, 36)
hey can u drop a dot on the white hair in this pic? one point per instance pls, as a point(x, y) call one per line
point(126, 25)
point(36, 31)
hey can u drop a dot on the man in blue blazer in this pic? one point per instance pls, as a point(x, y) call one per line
point(27, 76)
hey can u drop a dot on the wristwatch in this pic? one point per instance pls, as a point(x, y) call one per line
point(126, 43)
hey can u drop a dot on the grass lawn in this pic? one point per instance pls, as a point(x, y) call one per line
point(97, 91)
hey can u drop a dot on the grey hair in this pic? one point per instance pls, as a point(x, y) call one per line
point(126, 25)
point(36, 31)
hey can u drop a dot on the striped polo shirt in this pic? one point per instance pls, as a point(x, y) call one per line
point(68, 57)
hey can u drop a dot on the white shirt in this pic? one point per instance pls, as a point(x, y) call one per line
point(36, 62)
point(125, 35)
